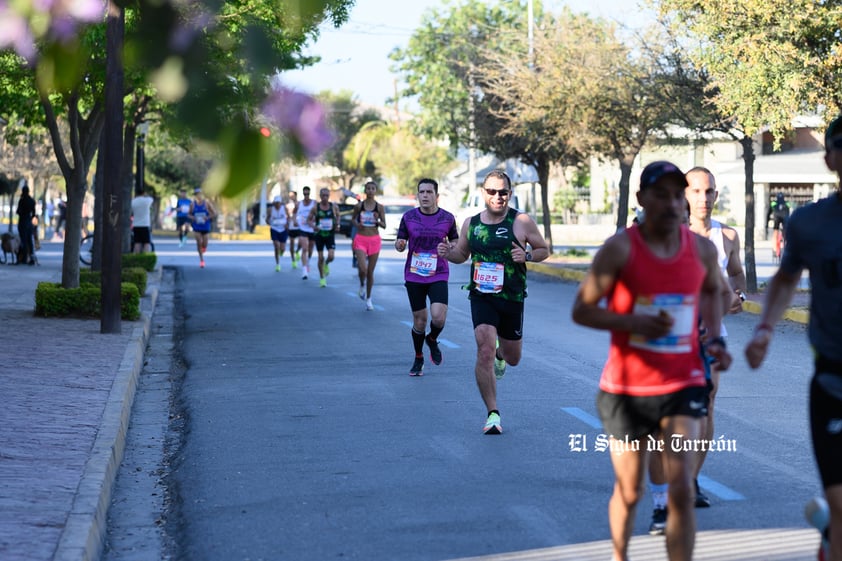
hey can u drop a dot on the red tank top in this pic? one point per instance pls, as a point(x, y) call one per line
point(651, 285)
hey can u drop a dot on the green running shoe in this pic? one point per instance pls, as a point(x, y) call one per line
point(499, 364)
point(492, 425)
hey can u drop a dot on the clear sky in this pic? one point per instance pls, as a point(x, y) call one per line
point(355, 56)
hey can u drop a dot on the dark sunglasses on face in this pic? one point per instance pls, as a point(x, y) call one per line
point(835, 142)
point(494, 192)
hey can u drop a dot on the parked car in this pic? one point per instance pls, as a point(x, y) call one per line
point(346, 210)
point(476, 204)
point(395, 209)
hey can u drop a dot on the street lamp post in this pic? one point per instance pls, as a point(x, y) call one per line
point(140, 157)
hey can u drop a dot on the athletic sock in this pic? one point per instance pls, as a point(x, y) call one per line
point(659, 495)
point(435, 331)
point(418, 342)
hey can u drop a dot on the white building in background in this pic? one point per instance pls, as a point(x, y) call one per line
point(797, 170)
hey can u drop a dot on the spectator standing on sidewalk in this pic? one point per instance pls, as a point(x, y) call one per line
point(814, 243)
point(141, 222)
point(26, 231)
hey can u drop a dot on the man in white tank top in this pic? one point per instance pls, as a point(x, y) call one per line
point(701, 195)
point(307, 233)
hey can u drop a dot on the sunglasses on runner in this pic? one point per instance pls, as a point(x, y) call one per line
point(835, 142)
point(494, 192)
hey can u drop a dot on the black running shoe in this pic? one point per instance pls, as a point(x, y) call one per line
point(435, 351)
point(417, 367)
point(702, 500)
point(659, 522)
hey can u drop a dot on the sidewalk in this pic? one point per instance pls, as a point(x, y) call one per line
point(67, 392)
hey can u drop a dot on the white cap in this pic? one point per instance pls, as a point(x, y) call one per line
point(277, 199)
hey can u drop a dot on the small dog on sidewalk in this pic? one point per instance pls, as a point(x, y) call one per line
point(10, 246)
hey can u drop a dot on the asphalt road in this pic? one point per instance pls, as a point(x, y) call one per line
point(305, 439)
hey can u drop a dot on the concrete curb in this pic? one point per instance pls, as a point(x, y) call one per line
point(83, 536)
point(798, 315)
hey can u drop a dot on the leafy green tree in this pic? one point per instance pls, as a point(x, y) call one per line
point(761, 63)
point(346, 119)
point(439, 63)
point(452, 65)
point(404, 158)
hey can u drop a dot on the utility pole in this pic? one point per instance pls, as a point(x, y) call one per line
point(530, 35)
point(113, 145)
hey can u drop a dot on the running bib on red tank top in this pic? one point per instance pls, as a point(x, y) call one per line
point(681, 308)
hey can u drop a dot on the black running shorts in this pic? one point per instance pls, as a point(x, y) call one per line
point(323, 242)
point(141, 234)
point(506, 316)
point(418, 293)
point(637, 416)
point(826, 421)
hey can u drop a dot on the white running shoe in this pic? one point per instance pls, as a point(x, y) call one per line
point(361, 292)
point(306, 273)
point(368, 305)
point(817, 513)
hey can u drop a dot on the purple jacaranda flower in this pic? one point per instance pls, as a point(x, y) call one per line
point(67, 15)
point(300, 116)
point(185, 34)
point(15, 32)
point(64, 16)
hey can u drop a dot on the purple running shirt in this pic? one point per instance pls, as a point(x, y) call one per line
point(424, 232)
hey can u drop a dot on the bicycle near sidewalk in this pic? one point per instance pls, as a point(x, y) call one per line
point(86, 250)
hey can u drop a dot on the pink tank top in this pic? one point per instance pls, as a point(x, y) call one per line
point(652, 285)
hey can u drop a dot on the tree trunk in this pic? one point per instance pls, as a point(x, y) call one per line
point(543, 168)
point(623, 203)
point(75, 186)
point(748, 242)
point(113, 146)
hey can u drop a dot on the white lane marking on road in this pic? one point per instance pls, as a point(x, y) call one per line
point(721, 491)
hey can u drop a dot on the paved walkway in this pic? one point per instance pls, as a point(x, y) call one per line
point(67, 392)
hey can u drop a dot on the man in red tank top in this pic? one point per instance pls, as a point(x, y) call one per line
point(657, 277)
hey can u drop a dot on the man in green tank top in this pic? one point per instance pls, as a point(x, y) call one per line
point(499, 241)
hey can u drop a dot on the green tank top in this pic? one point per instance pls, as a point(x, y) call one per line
point(492, 269)
point(325, 220)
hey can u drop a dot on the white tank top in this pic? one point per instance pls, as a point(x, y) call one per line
point(303, 214)
point(278, 218)
point(718, 239)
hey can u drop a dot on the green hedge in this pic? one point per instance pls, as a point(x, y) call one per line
point(146, 261)
point(51, 300)
point(133, 275)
